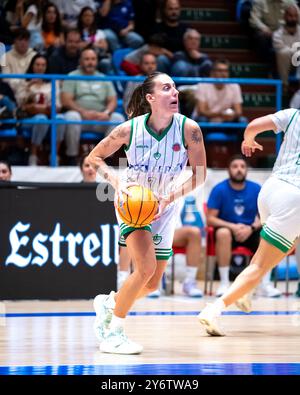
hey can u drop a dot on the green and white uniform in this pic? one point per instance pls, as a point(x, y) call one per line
point(156, 161)
point(279, 198)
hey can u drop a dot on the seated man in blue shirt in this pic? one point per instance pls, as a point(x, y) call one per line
point(232, 211)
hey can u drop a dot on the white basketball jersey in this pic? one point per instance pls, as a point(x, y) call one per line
point(287, 165)
point(156, 161)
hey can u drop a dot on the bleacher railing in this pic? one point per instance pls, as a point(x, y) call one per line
point(117, 78)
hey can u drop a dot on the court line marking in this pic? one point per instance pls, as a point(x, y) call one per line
point(147, 313)
point(208, 368)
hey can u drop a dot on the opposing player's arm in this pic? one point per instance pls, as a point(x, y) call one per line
point(109, 145)
point(255, 127)
point(197, 158)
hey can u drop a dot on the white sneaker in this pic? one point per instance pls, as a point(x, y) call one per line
point(104, 306)
point(223, 287)
point(268, 291)
point(32, 160)
point(208, 318)
point(154, 294)
point(116, 342)
point(190, 289)
point(244, 303)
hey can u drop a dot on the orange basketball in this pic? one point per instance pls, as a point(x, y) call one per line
point(139, 209)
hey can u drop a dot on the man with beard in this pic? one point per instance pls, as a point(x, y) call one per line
point(232, 212)
point(87, 100)
point(283, 42)
point(171, 27)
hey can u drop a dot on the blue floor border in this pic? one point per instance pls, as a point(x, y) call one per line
point(216, 368)
point(146, 313)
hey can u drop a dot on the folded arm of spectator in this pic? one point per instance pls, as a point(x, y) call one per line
point(256, 17)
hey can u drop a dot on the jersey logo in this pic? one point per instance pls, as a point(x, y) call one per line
point(142, 146)
point(157, 239)
point(176, 147)
point(157, 155)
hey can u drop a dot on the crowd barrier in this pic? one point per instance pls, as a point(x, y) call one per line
point(121, 79)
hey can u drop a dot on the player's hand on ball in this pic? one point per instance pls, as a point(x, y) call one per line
point(164, 201)
point(249, 147)
point(123, 188)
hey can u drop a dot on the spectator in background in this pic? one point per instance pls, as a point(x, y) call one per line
point(34, 99)
point(171, 26)
point(295, 101)
point(191, 62)
point(65, 58)
point(6, 32)
point(52, 30)
point(233, 213)
point(117, 18)
point(19, 57)
point(147, 66)
point(219, 102)
point(131, 62)
point(88, 172)
point(30, 16)
point(5, 171)
point(267, 16)
point(144, 11)
point(88, 100)
point(283, 40)
point(7, 102)
point(69, 10)
point(91, 36)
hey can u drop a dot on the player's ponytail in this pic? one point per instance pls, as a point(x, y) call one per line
point(138, 104)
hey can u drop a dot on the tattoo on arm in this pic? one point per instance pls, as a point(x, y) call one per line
point(196, 135)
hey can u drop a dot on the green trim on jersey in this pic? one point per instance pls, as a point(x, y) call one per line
point(124, 229)
point(290, 121)
point(126, 148)
point(157, 137)
point(182, 132)
point(275, 239)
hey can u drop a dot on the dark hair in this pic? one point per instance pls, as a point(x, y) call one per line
point(57, 24)
point(82, 159)
point(222, 61)
point(30, 67)
point(138, 104)
point(147, 54)
point(92, 28)
point(71, 30)
point(89, 47)
point(21, 33)
point(6, 163)
point(237, 157)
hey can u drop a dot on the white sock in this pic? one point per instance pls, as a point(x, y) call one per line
point(191, 273)
point(266, 279)
point(224, 274)
point(219, 305)
point(116, 322)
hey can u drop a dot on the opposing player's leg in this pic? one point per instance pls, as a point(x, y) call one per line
point(266, 257)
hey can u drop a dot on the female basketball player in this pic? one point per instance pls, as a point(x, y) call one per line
point(279, 208)
point(158, 142)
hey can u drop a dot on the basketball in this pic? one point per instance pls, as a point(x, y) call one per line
point(139, 209)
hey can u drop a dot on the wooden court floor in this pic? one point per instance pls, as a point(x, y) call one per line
point(56, 337)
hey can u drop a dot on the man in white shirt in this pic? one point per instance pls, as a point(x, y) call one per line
point(19, 57)
point(219, 102)
point(283, 40)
